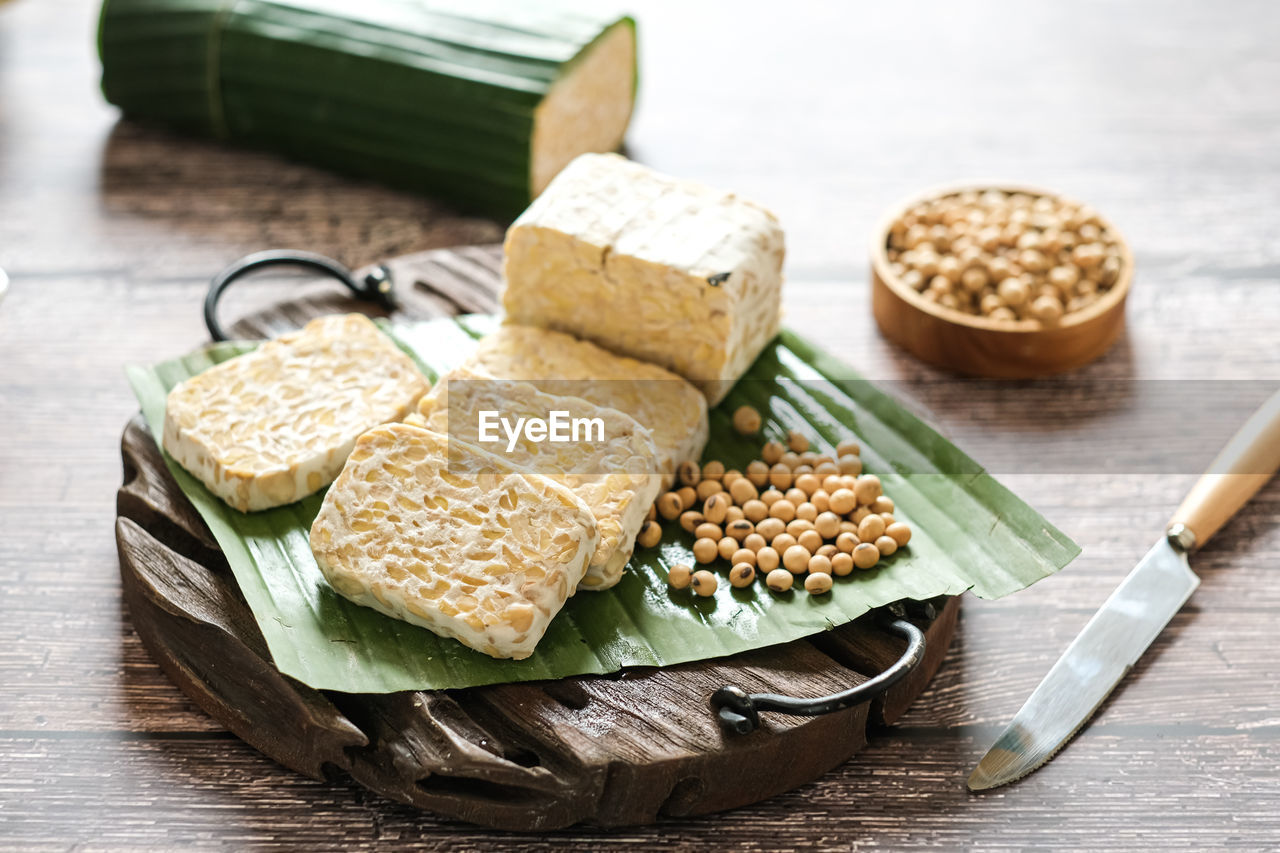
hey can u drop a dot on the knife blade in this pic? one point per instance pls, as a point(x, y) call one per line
point(1092, 666)
point(1134, 615)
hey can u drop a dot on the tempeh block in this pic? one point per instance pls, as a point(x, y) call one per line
point(470, 547)
point(274, 425)
point(616, 475)
point(672, 409)
point(645, 265)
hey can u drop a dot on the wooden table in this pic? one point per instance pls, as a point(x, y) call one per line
point(1164, 116)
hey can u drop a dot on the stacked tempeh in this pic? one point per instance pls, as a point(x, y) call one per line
point(365, 544)
point(485, 544)
point(614, 476)
point(422, 523)
point(670, 407)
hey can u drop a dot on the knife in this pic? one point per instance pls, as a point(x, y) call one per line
point(1137, 611)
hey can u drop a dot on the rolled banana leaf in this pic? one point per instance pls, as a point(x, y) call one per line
point(479, 103)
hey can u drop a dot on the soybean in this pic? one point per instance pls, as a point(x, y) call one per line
point(779, 580)
point(817, 584)
point(784, 510)
point(868, 489)
point(865, 555)
point(740, 530)
point(900, 532)
point(809, 540)
point(849, 464)
point(819, 565)
point(870, 528)
point(798, 526)
point(797, 441)
point(843, 501)
point(796, 559)
point(670, 506)
point(704, 583)
point(772, 452)
point(707, 488)
point(708, 530)
point(780, 476)
point(715, 508)
point(679, 576)
point(743, 490)
point(706, 550)
point(782, 542)
point(649, 535)
point(746, 420)
point(755, 510)
point(827, 524)
point(771, 527)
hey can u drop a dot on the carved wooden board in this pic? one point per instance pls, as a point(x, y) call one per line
point(608, 750)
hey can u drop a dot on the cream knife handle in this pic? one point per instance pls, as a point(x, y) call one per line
point(1243, 466)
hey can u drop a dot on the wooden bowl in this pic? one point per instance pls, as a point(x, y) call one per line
point(978, 346)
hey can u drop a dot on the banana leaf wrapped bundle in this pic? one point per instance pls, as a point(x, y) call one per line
point(477, 102)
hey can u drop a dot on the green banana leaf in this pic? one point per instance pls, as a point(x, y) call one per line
point(970, 533)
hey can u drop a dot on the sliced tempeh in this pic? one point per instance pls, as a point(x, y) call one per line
point(616, 474)
point(275, 425)
point(672, 409)
point(469, 547)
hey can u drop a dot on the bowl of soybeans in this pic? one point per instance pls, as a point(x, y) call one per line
point(999, 281)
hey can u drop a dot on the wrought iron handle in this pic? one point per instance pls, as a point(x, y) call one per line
point(376, 286)
point(739, 711)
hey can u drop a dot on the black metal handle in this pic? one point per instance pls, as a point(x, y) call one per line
point(376, 286)
point(739, 711)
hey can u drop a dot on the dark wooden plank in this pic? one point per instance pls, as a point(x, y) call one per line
point(218, 793)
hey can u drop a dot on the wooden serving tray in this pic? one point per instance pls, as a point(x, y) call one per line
point(611, 750)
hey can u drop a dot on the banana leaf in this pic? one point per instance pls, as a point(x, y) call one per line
point(970, 534)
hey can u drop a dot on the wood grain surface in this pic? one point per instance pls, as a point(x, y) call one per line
point(1162, 115)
